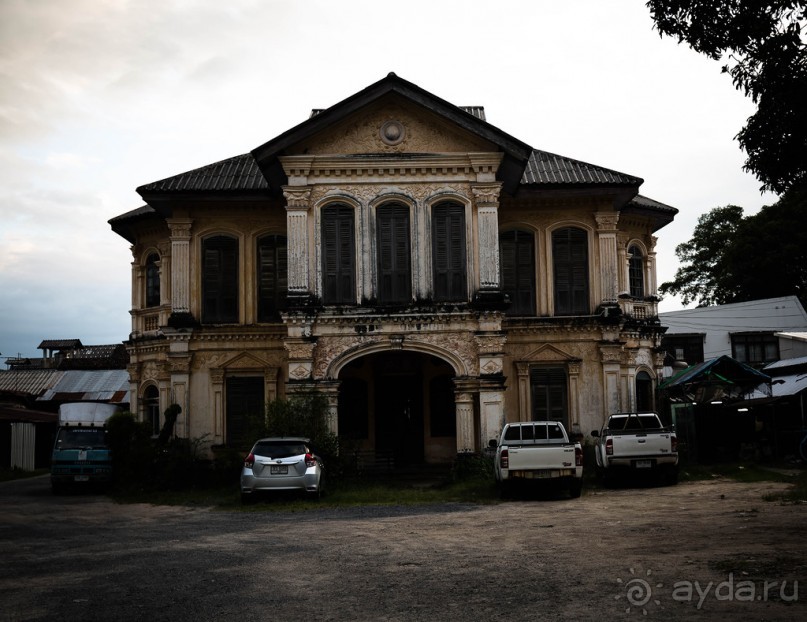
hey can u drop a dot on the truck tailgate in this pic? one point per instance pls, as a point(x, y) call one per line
point(543, 456)
point(641, 444)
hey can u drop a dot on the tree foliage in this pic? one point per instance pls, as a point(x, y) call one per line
point(766, 56)
point(732, 258)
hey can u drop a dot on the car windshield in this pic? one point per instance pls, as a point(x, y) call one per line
point(279, 449)
point(81, 438)
point(634, 422)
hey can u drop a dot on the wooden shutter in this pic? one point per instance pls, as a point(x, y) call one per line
point(272, 277)
point(570, 264)
point(517, 252)
point(245, 409)
point(394, 255)
point(220, 280)
point(338, 255)
point(549, 394)
point(448, 252)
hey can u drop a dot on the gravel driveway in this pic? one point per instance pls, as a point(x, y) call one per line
point(706, 550)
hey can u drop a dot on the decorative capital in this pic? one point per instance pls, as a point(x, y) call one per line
point(180, 228)
point(296, 198)
point(606, 220)
point(486, 194)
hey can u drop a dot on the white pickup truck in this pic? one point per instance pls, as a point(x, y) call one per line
point(637, 442)
point(538, 451)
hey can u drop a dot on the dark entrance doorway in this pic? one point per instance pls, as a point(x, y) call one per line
point(397, 408)
point(399, 411)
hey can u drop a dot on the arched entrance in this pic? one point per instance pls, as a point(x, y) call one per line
point(399, 407)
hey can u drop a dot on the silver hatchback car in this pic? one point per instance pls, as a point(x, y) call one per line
point(282, 463)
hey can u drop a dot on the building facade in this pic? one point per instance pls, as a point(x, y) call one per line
point(430, 274)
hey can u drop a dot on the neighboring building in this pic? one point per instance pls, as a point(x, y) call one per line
point(749, 332)
point(432, 275)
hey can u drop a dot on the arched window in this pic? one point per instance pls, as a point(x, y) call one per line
point(394, 256)
point(338, 255)
point(153, 280)
point(448, 252)
point(517, 252)
point(150, 407)
point(636, 272)
point(644, 391)
point(570, 266)
point(220, 279)
point(272, 276)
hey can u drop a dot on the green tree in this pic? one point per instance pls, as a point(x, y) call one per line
point(766, 57)
point(732, 258)
point(703, 276)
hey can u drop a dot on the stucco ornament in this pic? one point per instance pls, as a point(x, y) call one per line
point(393, 132)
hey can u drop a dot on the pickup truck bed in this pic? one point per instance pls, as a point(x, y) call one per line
point(538, 451)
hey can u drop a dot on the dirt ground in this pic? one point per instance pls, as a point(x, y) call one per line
point(712, 550)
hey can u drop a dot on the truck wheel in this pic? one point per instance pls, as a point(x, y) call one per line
point(576, 489)
point(505, 490)
point(672, 476)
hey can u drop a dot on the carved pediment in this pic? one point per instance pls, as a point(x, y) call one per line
point(549, 353)
point(390, 127)
point(244, 360)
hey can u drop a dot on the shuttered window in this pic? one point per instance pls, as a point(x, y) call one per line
point(220, 280)
point(272, 276)
point(636, 272)
point(570, 266)
point(153, 280)
point(394, 255)
point(338, 255)
point(517, 252)
point(245, 410)
point(549, 394)
point(448, 252)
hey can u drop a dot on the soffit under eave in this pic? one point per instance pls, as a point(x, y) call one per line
point(516, 153)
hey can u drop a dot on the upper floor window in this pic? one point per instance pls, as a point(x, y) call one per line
point(687, 348)
point(338, 255)
point(394, 255)
point(448, 252)
point(272, 276)
point(755, 348)
point(517, 252)
point(570, 267)
point(636, 272)
point(220, 279)
point(153, 280)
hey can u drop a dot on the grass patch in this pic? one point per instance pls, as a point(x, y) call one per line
point(796, 494)
point(742, 472)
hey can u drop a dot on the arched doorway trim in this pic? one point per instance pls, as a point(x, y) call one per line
point(339, 362)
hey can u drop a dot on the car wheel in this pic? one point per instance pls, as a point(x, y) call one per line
point(576, 489)
point(247, 498)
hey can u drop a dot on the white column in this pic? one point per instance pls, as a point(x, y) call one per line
point(606, 230)
point(297, 208)
point(486, 198)
point(180, 264)
point(465, 421)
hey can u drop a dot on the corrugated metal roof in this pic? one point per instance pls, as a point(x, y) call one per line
point(477, 111)
point(238, 173)
point(548, 168)
point(31, 381)
point(89, 385)
point(643, 201)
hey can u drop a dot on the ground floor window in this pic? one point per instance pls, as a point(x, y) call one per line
point(245, 407)
point(151, 409)
point(549, 393)
point(644, 391)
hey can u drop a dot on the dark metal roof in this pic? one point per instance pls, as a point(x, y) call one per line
point(640, 201)
point(59, 344)
point(477, 111)
point(551, 169)
point(238, 173)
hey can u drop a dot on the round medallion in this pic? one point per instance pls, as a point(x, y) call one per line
point(393, 132)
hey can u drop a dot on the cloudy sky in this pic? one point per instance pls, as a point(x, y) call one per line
point(98, 97)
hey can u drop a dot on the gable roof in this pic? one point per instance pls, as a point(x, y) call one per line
point(259, 172)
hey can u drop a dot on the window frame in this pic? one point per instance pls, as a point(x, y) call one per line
point(549, 393)
point(393, 254)
point(636, 275)
point(152, 294)
point(272, 282)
